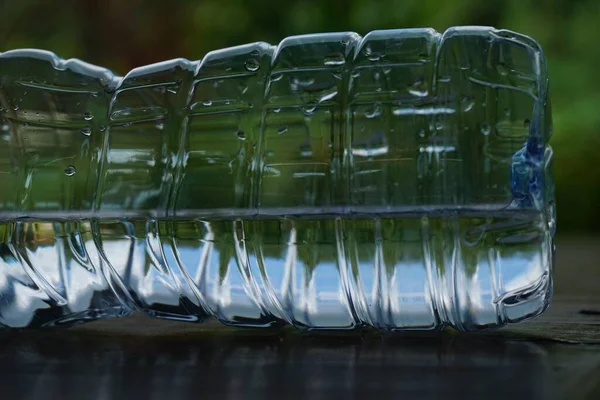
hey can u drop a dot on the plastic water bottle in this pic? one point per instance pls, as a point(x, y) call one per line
point(400, 180)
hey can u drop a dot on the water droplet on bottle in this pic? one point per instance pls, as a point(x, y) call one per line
point(418, 88)
point(252, 65)
point(269, 153)
point(102, 128)
point(25, 124)
point(207, 103)
point(483, 104)
point(421, 133)
point(241, 134)
point(439, 126)
point(467, 104)
point(88, 116)
point(16, 107)
point(282, 130)
point(335, 59)
point(70, 170)
point(310, 108)
point(507, 112)
point(374, 111)
point(502, 70)
point(25, 93)
point(444, 79)
point(277, 110)
point(78, 103)
point(243, 88)
point(485, 129)
point(526, 123)
point(160, 126)
point(276, 77)
point(86, 130)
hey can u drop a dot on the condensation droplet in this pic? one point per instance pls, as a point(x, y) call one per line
point(485, 129)
point(207, 103)
point(252, 65)
point(526, 123)
point(276, 77)
point(502, 70)
point(282, 130)
point(88, 116)
point(277, 110)
point(507, 112)
point(241, 134)
point(102, 128)
point(374, 111)
point(467, 104)
point(16, 107)
point(25, 93)
point(310, 108)
point(421, 133)
point(70, 170)
point(335, 59)
point(439, 126)
point(418, 89)
point(86, 131)
point(160, 126)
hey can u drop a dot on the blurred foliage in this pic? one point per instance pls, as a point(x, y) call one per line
point(121, 35)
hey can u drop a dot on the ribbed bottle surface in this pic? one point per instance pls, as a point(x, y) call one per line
point(402, 180)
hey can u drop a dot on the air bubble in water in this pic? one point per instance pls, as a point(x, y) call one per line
point(70, 170)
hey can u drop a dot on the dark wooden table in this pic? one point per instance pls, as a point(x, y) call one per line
point(555, 356)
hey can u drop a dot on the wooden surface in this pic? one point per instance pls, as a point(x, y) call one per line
point(555, 356)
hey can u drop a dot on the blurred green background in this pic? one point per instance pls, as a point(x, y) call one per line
point(121, 35)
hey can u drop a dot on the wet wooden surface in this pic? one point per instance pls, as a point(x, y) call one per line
point(554, 356)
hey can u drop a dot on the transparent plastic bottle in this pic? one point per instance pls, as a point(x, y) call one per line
point(400, 180)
